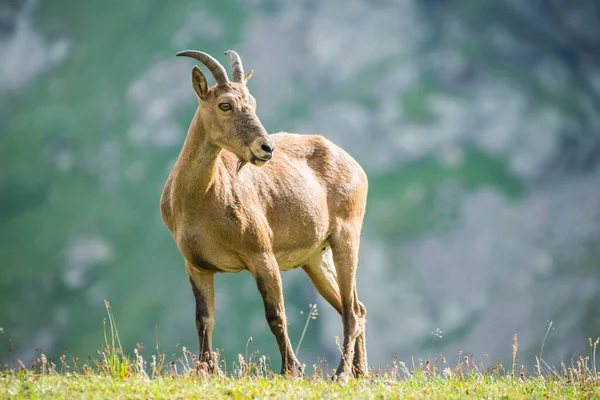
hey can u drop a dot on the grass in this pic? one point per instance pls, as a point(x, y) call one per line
point(28, 385)
point(113, 374)
point(416, 384)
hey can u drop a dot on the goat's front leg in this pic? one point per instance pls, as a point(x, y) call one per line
point(269, 285)
point(203, 286)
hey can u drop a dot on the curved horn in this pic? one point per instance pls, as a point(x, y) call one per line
point(236, 66)
point(213, 65)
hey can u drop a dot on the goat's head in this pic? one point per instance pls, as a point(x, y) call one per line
point(228, 110)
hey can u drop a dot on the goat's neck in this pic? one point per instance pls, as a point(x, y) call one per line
point(196, 167)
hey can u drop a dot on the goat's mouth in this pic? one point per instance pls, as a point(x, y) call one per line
point(259, 161)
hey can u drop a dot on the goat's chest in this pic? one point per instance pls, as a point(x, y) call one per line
point(213, 242)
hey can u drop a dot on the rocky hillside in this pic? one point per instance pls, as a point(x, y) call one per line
point(478, 126)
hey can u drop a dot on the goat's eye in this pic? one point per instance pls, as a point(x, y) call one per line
point(225, 106)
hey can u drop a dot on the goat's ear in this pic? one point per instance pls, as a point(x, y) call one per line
point(199, 83)
point(248, 76)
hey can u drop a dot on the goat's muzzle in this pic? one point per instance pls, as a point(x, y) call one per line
point(262, 150)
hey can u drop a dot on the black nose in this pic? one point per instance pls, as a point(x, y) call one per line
point(266, 148)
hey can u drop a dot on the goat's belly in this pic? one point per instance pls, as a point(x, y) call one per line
point(208, 254)
point(213, 261)
point(290, 259)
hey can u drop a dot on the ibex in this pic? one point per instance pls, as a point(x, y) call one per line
point(240, 199)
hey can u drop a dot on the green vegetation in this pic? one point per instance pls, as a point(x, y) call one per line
point(112, 374)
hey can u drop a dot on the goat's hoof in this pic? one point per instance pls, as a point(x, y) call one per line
point(361, 371)
point(206, 369)
point(293, 371)
point(342, 377)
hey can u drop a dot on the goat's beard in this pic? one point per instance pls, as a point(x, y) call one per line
point(240, 164)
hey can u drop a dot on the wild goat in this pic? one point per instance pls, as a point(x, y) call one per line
point(303, 208)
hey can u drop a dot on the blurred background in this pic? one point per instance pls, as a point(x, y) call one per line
point(478, 123)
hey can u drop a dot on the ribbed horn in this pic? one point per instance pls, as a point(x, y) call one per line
point(213, 65)
point(236, 66)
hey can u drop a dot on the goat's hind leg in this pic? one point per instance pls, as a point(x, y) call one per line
point(344, 247)
point(359, 362)
point(321, 271)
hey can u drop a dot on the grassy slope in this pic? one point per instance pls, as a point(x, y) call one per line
point(26, 385)
point(114, 374)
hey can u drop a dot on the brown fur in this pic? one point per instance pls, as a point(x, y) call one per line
point(304, 207)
